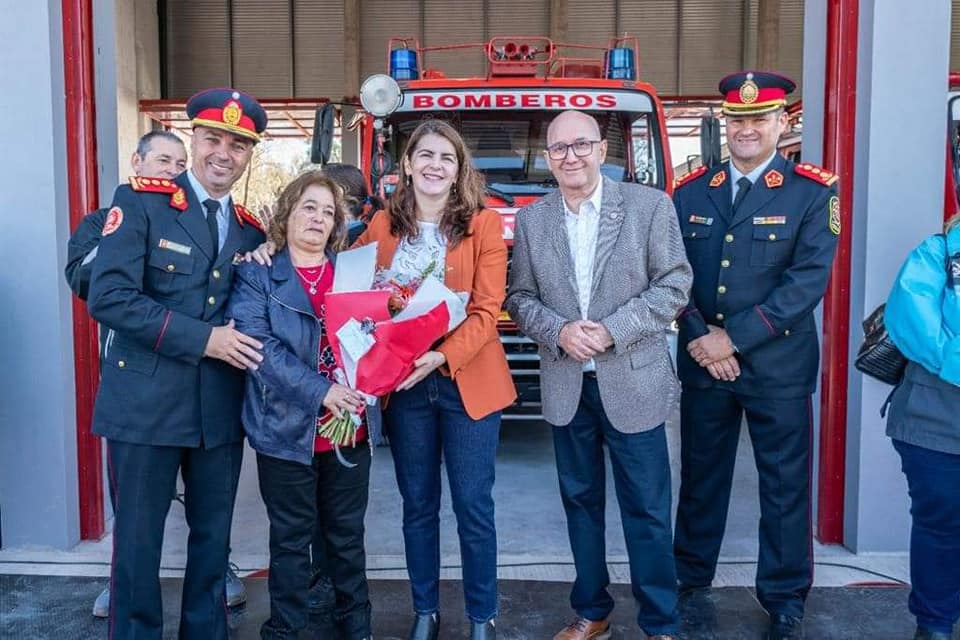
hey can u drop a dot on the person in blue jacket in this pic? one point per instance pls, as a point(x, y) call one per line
point(760, 233)
point(923, 319)
point(172, 372)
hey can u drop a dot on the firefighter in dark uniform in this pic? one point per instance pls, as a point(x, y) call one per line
point(760, 233)
point(173, 369)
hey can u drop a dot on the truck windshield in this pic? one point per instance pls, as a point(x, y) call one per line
point(508, 147)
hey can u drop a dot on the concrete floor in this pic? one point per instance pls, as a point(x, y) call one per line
point(530, 524)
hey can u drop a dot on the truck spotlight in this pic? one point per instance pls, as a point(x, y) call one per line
point(380, 95)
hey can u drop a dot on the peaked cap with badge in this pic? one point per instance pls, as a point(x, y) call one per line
point(228, 110)
point(754, 92)
point(761, 245)
point(159, 287)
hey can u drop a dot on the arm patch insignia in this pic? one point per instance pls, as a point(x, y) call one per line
point(833, 207)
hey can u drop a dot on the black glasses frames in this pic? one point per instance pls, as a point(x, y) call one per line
point(581, 148)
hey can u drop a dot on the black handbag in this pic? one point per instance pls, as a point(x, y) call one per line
point(878, 357)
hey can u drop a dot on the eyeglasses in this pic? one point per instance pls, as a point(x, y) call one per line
point(581, 148)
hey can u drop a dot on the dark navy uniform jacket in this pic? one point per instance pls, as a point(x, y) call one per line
point(759, 274)
point(83, 242)
point(158, 292)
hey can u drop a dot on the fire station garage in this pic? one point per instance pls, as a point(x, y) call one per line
point(86, 79)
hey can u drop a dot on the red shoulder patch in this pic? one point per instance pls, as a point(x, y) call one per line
point(245, 215)
point(153, 185)
point(718, 178)
point(815, 173)
point(688, 177)
point(179, 200)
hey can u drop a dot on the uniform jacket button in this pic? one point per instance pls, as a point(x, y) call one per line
point(728, 237)
point(772, 236)
point(216, 274)
point(721, 289)
point(787, 332)
point(171, 267)
point(121, 363)
point(724, 263)
point(719, 316)
point(211, 300)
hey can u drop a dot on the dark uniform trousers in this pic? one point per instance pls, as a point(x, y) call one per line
point(758, 272)
point(158, 288)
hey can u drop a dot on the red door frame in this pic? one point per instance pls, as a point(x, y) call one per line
point(81, 145)
point(838, 152)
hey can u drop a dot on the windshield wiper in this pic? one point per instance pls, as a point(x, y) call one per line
point(503, 195)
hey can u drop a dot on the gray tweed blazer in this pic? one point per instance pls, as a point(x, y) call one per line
point(641, 281)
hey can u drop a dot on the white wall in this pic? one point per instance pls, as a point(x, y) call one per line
point(38, 458)
point(897, 201)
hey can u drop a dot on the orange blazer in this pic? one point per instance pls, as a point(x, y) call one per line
point(475, 357)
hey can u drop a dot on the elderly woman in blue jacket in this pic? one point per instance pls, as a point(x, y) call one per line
point(923, 320)
point(303, 481)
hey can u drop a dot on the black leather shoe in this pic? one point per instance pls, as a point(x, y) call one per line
point(425, 627)
point(926, 634)
point(784, 627)
point(483, 631)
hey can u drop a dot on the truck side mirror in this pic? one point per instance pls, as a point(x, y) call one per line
point(710, 141)
point(322, 142)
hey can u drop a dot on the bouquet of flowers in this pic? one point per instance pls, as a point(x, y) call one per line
point(378, 324)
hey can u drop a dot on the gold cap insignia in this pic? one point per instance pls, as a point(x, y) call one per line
point(749, 91)
point(232, 113)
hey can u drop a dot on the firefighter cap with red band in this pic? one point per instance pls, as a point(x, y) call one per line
point(228, 110)
point(754, 92)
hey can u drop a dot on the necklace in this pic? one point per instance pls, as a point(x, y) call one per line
point(312, 284)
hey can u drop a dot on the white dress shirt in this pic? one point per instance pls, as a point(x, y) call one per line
point(223, 219)
point(753, 176)
point(582, 233)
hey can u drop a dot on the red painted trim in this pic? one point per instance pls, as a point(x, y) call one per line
point(838, 154)
point(82, 195)
point(163, 330)
point(770, 328)
point(950, 204)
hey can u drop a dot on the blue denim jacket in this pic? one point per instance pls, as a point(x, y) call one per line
point(284, 396)
point(923, 320)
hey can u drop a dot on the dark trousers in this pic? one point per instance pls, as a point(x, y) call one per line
point(641, 474)
point(143, 477)
point(301, 499)
point(780, 432)
point(934, 481)
point(424, 423)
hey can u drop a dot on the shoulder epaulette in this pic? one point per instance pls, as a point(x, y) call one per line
point(245, 215)
point(178, 197)
point(688, 177)
point(815, 173)
point(153, 185)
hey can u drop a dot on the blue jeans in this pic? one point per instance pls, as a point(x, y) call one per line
point(423, 424)
point(641, 474)
point(934, 481)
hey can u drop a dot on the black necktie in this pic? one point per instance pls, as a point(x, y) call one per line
point(213, 206)
point(743, 186)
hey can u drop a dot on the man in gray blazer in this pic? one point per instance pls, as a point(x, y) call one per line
point(598, 274)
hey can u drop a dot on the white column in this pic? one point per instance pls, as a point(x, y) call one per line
point(38, 456)
point(902, 71)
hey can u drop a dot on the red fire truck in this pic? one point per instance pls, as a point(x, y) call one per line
point(503, 117)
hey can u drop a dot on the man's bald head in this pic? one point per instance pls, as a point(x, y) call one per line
point(575, 120)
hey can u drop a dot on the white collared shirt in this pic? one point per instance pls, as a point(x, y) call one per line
point(753, 176)
point(223, 220)
point(582, 233)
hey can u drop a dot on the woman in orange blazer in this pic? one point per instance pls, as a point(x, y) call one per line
point(450, 405)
